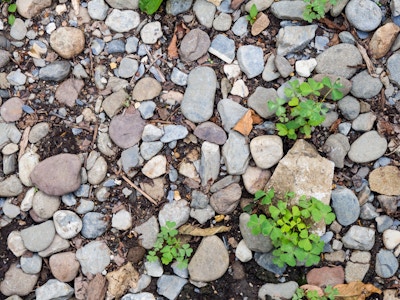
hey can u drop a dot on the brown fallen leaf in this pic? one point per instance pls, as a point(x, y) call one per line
point(256, 118)
point(196, 231)
point(334, 40)
point(332, 25)
point(356, 291)
point(370, 65)
point(245, 124)
point(172, 48)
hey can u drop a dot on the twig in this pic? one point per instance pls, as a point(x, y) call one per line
point(139, 190)
point(370, 66)
point(24, 142)
point(96, 129)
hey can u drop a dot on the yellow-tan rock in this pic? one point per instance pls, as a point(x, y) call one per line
point(383, 39)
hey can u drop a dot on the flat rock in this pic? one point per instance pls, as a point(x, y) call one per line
point(194, 45)
point(280, 290)
point(210, 261)
point(223, 48)
point(64, 266)
point(325, 276)
point(176, 7)
point(368, 147)
point(266, 150)
point(94, 224)
point(146, 89)
point(359, 238)
point(64, 178)
point(170, 286)
point(260, 24)
point(355, 271)
point(236, 153)
point(251, 60)
point(10, 187)
point(385, 180)
point(386, 264)
point(345, 205)
point(11, 110)
point(68, 91)
point(113, 103)
point(383, 39)
point(210, 132)
point(226, 200)
point(294, 38)
point(209, 163)
point(122, 20)
point(16, 282)
point(93, 257)
point(259, 242)
point(38, 237)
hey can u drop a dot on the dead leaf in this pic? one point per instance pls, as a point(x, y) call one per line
point(334, 40)
point(196, 231)
point(332, 25)
point(356, 291)
point(256, 118)
point(245, 124)
point(24, 142)
point(172, 48)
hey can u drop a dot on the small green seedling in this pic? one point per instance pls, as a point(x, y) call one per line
point(149, 6)
point(169, 247)
point(305, 107)
point(315, 9)
point(12, 8)
point(289, 228)
point(252, 16)
point(329, 294)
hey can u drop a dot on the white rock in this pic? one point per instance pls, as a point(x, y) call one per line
point(11, 210)
point(232, 71)
point(26, 164)
point(240, 89)
point(154, 269)
point(391, 238)
point(305, 67)
point(67, 223)
point(26, 203)
point(98, 172)
point(151, 32)
point(155, 167)
point(243, 253)
point(16, 244)
point(266, 150)
point(122, 220)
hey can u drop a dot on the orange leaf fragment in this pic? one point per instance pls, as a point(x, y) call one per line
point(172, 48)
point(355, 291)
point(245, 124)
point(256, 118)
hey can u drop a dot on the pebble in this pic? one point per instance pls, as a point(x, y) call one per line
point(31, 264)
point(242, 252)
point(177, 211)
point(178, 77)
point(255, 179)
point(326, 276)
point(4, 58)
point(202, 215)
point(383, 39)
point(155, 167)
point(294, 38)
point(365, 86)
point(115, 46)
point(226, 200)
point(360, 238)
point(204, 12)
point(67, 223)
point(368, 147)
point(139, 296)
point(230, 113)
point(149, 149)
point(222, 22)
point(173, 133)
point(54, 289)
point(260, 4)
point(280, 290)
point(64, 266)
point(38, 237)
point(265, 260)
point(75, 38)
point(26, 164)
point(176, 7)
point(16, 78)
point(154, 268)
point(170, 286)
point(364, 122)
point(384, 180)
point(392, 66)
point(146, 89)
point(363, 14)
point(260, 24)
point(127, 67)
point(223, 48)
point(210, 132)
point(148, 233)
point(239, 28)
point(305, 67)
point(93, 257)
point(207, 265)
point(391, 238)
point(84, 206)
point(258, 243)
point(349, 107)
point(288, 11)
point(122, 20)
point(151, 32)
point(336, 147)
point(123, 4)
point(210, 163)
point(251, 60)
point(383, 222)
point(29, 9)
point(194, 45)
point(198, 101)
point(240, 89)
point(55, 71)
point(10, 187)
point(18, 30)
point(44, 206)
point(17, 282)
point(122, 220)
point(236, 153)
point(57, 245)
point(151, 133)
point(97, 9)
point(15, 243)
point(386, 264)
point(355, 271)
point(131, 44)
point(266, 150)
point(98, 172)
point(93, 225)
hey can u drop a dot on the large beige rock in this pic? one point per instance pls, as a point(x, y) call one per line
point(16, 282)
point(119, 281)
point(67, 41)
point(383, 39)
point(385, 180)
point(30, 8)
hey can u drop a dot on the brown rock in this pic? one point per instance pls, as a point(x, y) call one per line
point(113, 103)
point(136, 254)
point(261, 23)
point(146, 89)
point(211, 132)
point(255, 179)
point(97, 288)
point(388, 203)
point(68, 91)
point(385, 181)
point(236, 3)
point(30, 8)
point(383, 39)
point(121, 280)
point(67, 41)
point(126, 129)
point(16, 282)
point(225, 201)
point(58, 175)
point(194, 45)
point(64, 266)
point(11, 110)
point(325, 276)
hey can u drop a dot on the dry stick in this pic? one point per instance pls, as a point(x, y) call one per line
point(370, 66)
point(139, 190)
point(24, 142)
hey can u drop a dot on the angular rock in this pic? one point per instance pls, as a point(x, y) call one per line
point(226, 200)
point(259, 243)
point(336, 148)
point(119, 281)
point(210, 163)
point(383, 39)
point(68, 91)
point(223, 48)
point(230, 113)
point(148, 232)
point(294, 38)
point(360, 238)
point(392, 65)
point(194, 45)
point(54, 289)
point(93, 257)
point(236, 153)
point(155, 167)
point(391, 238)
point(210, 132)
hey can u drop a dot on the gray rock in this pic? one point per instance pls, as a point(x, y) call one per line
point(122, 220)
point(123, 4)
point(148, 233)
point(265, 260)
point(198, 101)
point(364, 122)
point(251, 60)
point(368, 147)
point(239, 28)
point(210, 132)
point(150, 149)
point(281, 290)
point(338, 60)
point(94, 225)
point(349, 107)
point(16, 282)
point(222, 22)
point(147, 109)
point(57, 245)
point(131, 44)
point(127, 67)
point(11, 210)
point(194, 45)
point(56, 71)
point(10, 187)
point(294, 38)
point(151, 133)
point(176, 7)
point(223, 48)
point(139, 296)
point(178, 77)
point(363, 14)
point(38, 131)
point(383, 222)
point(292, 10)
point(67, 223)
point(151, 32)
point(283, 66)
point(392, 65)
point(360, 238)
point(44, 206)
point(202, 215)
point(368, 212)
point(97, 9)
point(93, 257)
point(210, 163)
point(174, 133)
point(346, 37)
point(260, 4)
point(98, 172)
point(115, 46)
point(16, 78)
point(345, 205)
point(18, 29)
point(130, 159)
point(170, 286)
point(230, 113)
point(31, 264)
point(176, 211)
point(122, 21)
point(4, 58)
point(266, 150)
point(226, 200)
point(355, 271)
point(270, 71)
point(258, 243)
point(336, 147)
point(386, 264)
point(38, 237)
point(204, 12)
point(54, 289)
point(365, 86)
point(154, 268)
point(236, 153)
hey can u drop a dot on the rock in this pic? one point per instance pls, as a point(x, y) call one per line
point(126, 129)
point(251, 60)
point(260, 24)
point(44, 206)
point(127, 67)
point(223, 48)
point(64, 266)
point(16, 78)
point(386, 264)
point(198, 101)
point(97, 9)
point(370, 12)
point(365, 86)
point(364, 122)
point(266, 150)
point(11, 110)
point(210, 132)
point(202, 215)
point(236, 153)
point(64, 178)
point(265, 260)
point(391, 238)
point(26, 164)
point(355, 271)
point(349, 107)
point(240, 27)
point(259, 100)
point(346, 84)
point(38, 237)
point(176, 7)
point(383, 222)
point(16, 282)
point(305, 67)
point(388, 203)
point(345, 205)
point(385, 180)
point(151, 133)
point(68, 91)
point(113, 103)
point(368, 147)
point(294, 38)
point(122, 21)
point(67, 224)
point(149, 150)
point(230, 113)
point(383, 39)
point(174, 133)
point(31, 264)
point(139, 296)
point(146, 89)
point(154, 189)
point(210, 163)
point(177, 211)
point(258, 243)
point(57, 245)
point(151, 32)
point(226, 200)
point(279, 290)
point(207, 265)
point(155, 167)
point(30, 8)
point(15, 243)
point(98, 172)
point(178, 77)
point(336, 147)
point(222, 22)
point(338, 59)
point(55, 71)
point(242, 252)
point(360, 238)
point(122, 220)
point(93, 257)
point(123, 4)
point(94, 225)
point(67, 41)
point(119, 281)
point(148, 233)
point(194, 45)
point(326, 276)
point(54, 289)
point(204, 12)
point(170, 286)
point(392, 65)
point(255, 179)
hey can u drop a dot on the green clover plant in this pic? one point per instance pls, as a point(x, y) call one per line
point(252, 16)
point(169, 247)
point(315, 9)
point(329, 294)
point(12, 8)
point(305, 110)
point(289, 228)
point(149, 6)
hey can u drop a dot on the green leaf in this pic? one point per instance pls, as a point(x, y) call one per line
point(327, 82)
point(280, 111)
point(259, 194)
point(294, 101)
point(149, 6)
point(12, 8)
point(274, 211)
point(11, 19)
point(329, 218)
point(282, 130)
point(305, 244)
point(289, 259)
point(253, 11)
point(336, 95)
point(307, 130)
point(316, 215)
point(305, 89)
